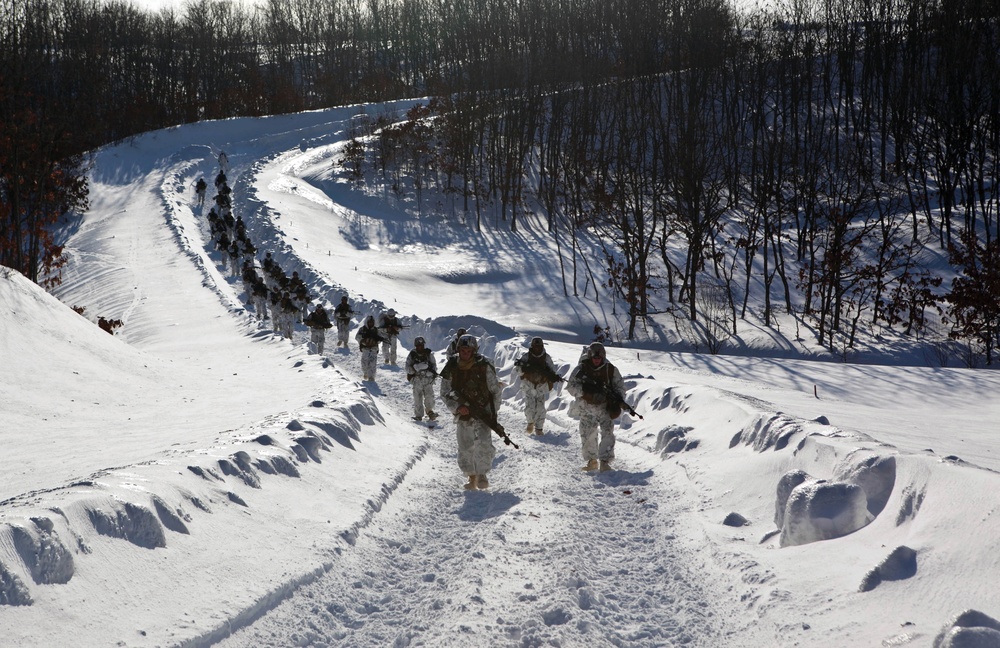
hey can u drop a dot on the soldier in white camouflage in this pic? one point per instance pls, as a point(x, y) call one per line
point(421, 370)
point(368, 338)
point(342, 314)
point(538, 375)
point(590, 382)
point(469, 383)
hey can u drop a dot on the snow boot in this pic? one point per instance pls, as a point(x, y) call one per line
point(530, 429)
point(605, 465)
point(418, 418)
point(482, 482)
point(538, 431)
point(591, 466)
point(472, 483)
point(432, 415)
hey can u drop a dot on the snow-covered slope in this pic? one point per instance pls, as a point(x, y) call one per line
point(196, 480)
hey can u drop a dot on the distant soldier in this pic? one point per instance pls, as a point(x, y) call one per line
point(288, 311)
point(318, 321)
point(223, 162)
point(260, 293)
point(453, 345)
point(538, 374)
point(200, 188)
point(248, 274)
point(233, 253)
point(368, 338)
point(421, 370)
point(267, 270)
point(220, 179)
point(342, 314)
point(390, 327)
point(301, 298)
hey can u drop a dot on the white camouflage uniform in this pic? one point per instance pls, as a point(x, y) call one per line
point(389, 325)
point(475, 438)
point(594, 415)
point(367, 337)
point(535, 386)
point(421, 369)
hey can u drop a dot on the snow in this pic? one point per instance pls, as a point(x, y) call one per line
point(195, 480)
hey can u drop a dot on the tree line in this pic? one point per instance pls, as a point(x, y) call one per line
point(817, 152)
point(818, 159)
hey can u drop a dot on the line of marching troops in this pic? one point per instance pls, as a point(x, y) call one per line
point(469, 385)
point(275, 295)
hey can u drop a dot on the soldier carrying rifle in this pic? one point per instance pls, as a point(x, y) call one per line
point(368, 338)
point(599, 389)
point(342, 313)
point(538, 375)
point(390, 326)
point(471, 391)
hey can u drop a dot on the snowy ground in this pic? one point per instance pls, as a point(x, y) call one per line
point(195, 480)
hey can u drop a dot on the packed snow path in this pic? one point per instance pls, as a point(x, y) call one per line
point(579, 557)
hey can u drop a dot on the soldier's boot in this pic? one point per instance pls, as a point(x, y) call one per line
point(538, 431)
point(530, 428)
point(432, 415)
point(482, 482)
point(605, 465)
point(472, 483)
point(591, 466)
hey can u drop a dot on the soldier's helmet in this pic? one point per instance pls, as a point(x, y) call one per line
point(343, 298)
point(418, 341)
point(468, 341)
point(370, 321)
point(461, 332)
point(391, 313)
point(536, 343)
point(597, 351)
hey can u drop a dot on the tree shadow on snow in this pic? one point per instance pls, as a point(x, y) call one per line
point(482, 505)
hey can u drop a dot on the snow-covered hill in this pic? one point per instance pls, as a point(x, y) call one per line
point(197, 480)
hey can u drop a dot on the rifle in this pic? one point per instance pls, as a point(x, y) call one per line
point(547, 373)
point(480, 414)
point(615, 400)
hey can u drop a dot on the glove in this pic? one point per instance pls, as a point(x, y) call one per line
point(409, 377)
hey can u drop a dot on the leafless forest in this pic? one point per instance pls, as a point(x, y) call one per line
point(832, 160)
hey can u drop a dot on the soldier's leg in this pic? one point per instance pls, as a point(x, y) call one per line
point(606, 450)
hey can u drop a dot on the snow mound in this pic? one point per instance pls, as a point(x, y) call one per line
point(898, 565)
point(969, 629)
point(823, 510)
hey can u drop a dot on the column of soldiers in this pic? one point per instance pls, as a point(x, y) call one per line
point(274, 295)
point(471, 391)
point(469, 385)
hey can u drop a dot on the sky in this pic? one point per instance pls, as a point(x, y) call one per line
point(196, 480)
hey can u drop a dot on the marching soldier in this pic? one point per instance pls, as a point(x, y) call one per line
point(421, 370)
point(368, 338)
point(538, 374)
point(318, 321)
point(342, 314)
point(390, 327)
point(591, 382)
point(469, 383)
